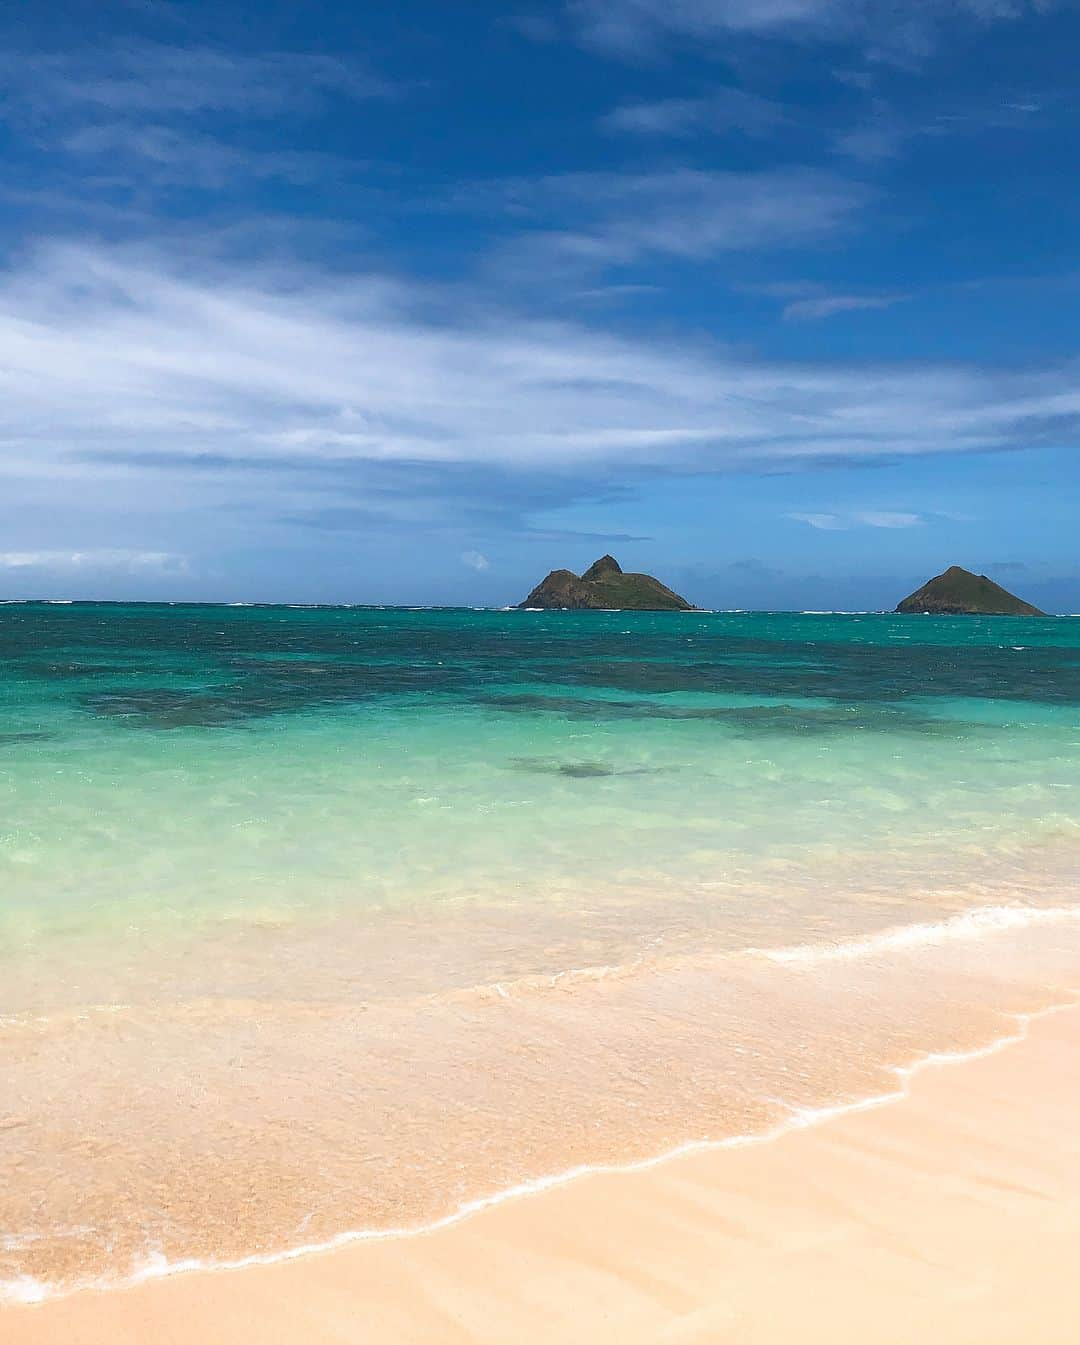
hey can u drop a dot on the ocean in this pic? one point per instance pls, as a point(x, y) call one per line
point(320, 923)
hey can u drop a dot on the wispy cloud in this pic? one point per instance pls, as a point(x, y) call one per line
point(475, 560)
point(114, 124)
point(808, 301)
point(829, 305)
point(112, 133)
point(631, 28)
point(157, 562)
point(873, 140)
point(725, 110)
point(113, 355)
point(596, 220)
point(823, 522)
point(884, 134)
point(151, 78)
point(867, 518)
point(886, 518)
point(162, 155)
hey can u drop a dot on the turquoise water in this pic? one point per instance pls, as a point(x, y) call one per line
point(173, 763)
point(288, 837)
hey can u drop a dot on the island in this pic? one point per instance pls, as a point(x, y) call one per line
point(958, 592)
point(605, 586)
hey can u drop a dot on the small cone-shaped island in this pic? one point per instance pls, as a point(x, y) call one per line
point(958, 592)
point(605, 586)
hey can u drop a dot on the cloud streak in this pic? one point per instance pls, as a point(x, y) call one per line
point(165, 156)
point(630, 28)
point(822, 522)
point(114, 363)
point(616, 219)
point(867, 518)
point(726, 110)
point(137, 78)
point(130, 562)
point(829, 305)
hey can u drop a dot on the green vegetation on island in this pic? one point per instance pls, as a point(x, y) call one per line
point(958, 592)
point(605, 586)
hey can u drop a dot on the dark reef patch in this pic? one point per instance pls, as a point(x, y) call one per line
point(751, 720)
point(165, 709)
point(575, 770)
point(267, 688)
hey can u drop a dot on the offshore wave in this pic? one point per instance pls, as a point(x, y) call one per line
point(28, 1290)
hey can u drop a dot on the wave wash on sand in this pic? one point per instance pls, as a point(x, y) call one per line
point(905, 998)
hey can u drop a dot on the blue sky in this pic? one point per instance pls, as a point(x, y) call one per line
point(412, 303)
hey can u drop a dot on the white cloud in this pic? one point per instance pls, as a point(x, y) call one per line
point(823, 522)
point(137, 78)
point(114, 356)
point(159, 562)
point(156, 115)
point(884, 134)
point(828, 305)
point(867, 518)
point(475, 560)
point(630, 28)
point(623, 25)
point(597, 220)
point(163, 155)
point(883, 518)
point(725, 110)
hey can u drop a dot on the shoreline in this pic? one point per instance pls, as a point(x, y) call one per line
point(31, 1292)
point(260, 1288)
point(156, 1263)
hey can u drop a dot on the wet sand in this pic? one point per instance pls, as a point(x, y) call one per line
point(952, 1215)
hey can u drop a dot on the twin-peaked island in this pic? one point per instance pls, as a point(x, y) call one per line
point(606, 587)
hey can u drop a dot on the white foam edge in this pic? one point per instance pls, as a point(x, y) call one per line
point(26, 1290)
point(965, 925)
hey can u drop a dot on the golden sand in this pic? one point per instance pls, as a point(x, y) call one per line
point(950, 1216)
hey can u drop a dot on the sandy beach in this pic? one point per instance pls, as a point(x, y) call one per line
point(951, 1215)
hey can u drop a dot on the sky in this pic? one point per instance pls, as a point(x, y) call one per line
point(312, 302)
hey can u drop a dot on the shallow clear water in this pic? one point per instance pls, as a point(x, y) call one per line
point(350, 915)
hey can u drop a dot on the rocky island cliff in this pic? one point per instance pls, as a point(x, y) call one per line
point(958, 592)
point(604, 585)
